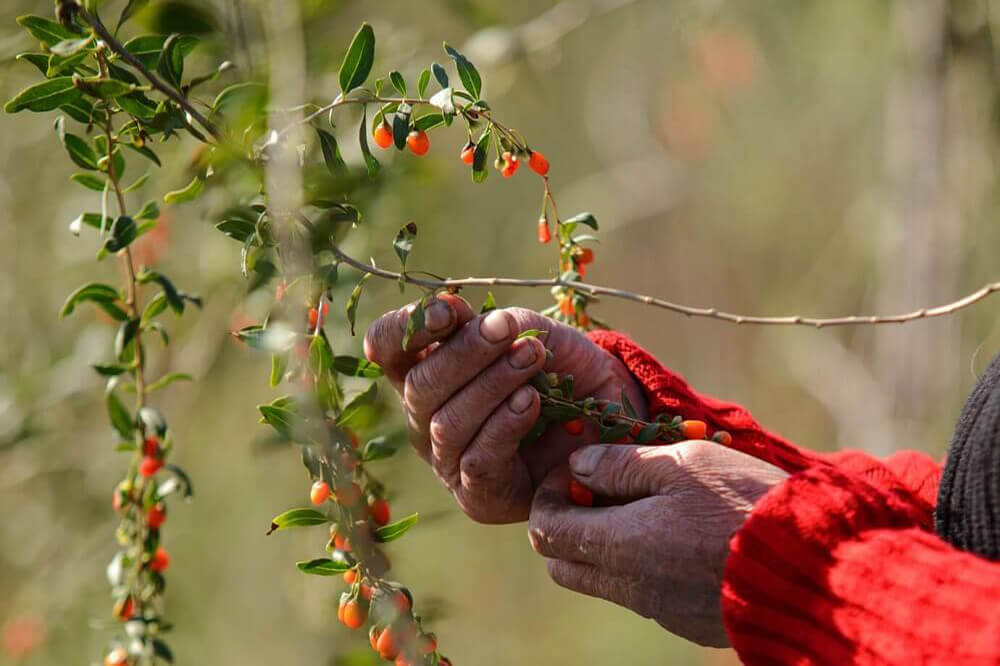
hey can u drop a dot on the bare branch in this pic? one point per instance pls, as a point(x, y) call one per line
point(711, 313)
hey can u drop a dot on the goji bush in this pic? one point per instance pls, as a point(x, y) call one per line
point(116, 100)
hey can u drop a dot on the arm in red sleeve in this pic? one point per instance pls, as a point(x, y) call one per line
point(908, 473)
point(830, 569)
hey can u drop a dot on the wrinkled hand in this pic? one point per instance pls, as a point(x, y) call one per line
point(463, 384)
point(662, 553)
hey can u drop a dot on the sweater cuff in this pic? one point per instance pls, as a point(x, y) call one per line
point(667, 391)
point(830, 569)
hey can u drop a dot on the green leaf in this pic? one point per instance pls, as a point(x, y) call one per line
point(44, 96)
point(279, 363)
point(44, 30)
point(393, 531)
point(237, 229)
point(331, 153)
point(352, 302)
point(147, 49)
point(69, 47)
point(106, 88)
point(80, 152)
point(403, 242)
point(273, 339)
point(162, 650)
point(357, 404)
point(359, 59)
point(122, 233)
point(323, 566)
point(401, 125)
point(398, 82)
point(356, 367)
point(168, 379)
point(120, 418)
point(243, 100)
point(479, 170)
point(90, 181)
point(428, 121)
point(466, 71)
point(370, 162)
point(298, 518)
point(129, 11)
point(377, 449)
point(415, 321)
point(59, 65)
point(647, 434)
point(145, 151)
point(171, 65)
point(126, 334)
point(425, 78)
point(93, 292)
point(154, 308)
point(111, 369)
point(586, 219)
point(282, 420)
point(320, 356)
point(614, 433)
point(79, 109)
point(189, 193)
point(627, 405)
point(489, 304)
point(150, 211)
point(440, 74)
point(39, 60)
point(530, 333)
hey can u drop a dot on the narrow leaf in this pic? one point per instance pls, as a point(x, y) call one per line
point(189, 193)
point(352, 302)
point(323, 566)
point(403, 242)
point(359, 59)
point(425, 78)
point(331, 153)
point(356, 367)
point(168, 379)
point(298, 518)
point(370, 162)
point(393, 531)
point(44, 96)
point(466, 71)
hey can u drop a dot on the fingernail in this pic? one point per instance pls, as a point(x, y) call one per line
point(584, 461)
point(438, 316)
point(521, 400)
point(523, 355)
point(494, 326)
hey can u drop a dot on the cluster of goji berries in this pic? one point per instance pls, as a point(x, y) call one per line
point(417, 140)
point(670, 431)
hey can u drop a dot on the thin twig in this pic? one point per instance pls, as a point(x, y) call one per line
point(711, 313)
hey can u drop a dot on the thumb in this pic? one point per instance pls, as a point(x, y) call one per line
point(628, 472)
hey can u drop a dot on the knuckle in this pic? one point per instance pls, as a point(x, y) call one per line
point(417, 387)
point(445, 427)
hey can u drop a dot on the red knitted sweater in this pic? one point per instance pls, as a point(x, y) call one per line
point(839, 564)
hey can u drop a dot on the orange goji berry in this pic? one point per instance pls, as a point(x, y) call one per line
point(156, 516)
point(387, 645)
point(418, 142)
point(383, 135)
point(354, 614)
point(694, 429)
point(468, 154)
point(350, 576)
point(722, 437)
point(379, 510)
point(160, 560)
point(579, 494)
point(574, 427)
point(320, 492)
point(538, 163)
point(150, 466)
point(544, 233)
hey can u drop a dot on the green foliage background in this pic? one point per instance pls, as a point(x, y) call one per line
point(766, 158)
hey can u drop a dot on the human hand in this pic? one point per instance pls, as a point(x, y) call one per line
point(463, 381)
point(662, 552)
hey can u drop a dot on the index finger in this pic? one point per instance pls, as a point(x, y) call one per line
point(561, 530)
point(383, 344)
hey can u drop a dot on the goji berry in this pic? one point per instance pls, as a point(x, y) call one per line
point(544, 233)
point(694, 429)
point(468, 154)
point(117, 657)
point(160, 560)
point(574, 427)
point(350, 576)
point(354, 614)
point(156, 516)
point(579, 494)
point(538, 163)
point(418, 142)
point(383, 135)
point(722, 437)
point(150, 466)
point(387, 645)
point(320, 492)
point(379, 510)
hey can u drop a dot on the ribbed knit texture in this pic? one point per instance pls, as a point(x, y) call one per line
point(968, 509)
point(838, 564)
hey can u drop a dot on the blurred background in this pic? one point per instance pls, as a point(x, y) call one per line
point(809, 157)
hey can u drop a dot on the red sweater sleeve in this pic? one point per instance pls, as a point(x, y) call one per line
point(830, 569)
point(837, 565)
